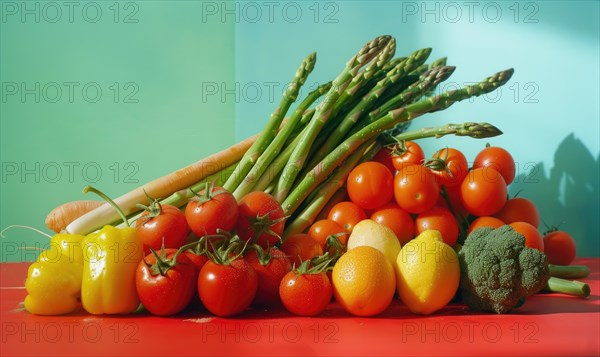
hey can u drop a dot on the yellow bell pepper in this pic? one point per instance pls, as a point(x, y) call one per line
point(54, 281)
point(111, 257)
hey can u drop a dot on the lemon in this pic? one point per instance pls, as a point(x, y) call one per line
point(363, 281)
point(370, 233)
point(427, 273)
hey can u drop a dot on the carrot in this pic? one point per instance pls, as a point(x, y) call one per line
point(161, 187)
point(58, 219)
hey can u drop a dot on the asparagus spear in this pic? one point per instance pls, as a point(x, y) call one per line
point(321, 171)
point(323, 112)
point(395, 74)
point(369, 72)
point(275, 146)
point(428, 80)
point(289, 96)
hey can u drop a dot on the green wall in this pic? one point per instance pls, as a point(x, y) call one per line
point(183, 79)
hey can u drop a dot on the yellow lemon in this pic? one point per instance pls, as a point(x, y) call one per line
point(363, 281)
point(370, 233)
point(427, 273)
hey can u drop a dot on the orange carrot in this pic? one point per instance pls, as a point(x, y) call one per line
point(58, 219)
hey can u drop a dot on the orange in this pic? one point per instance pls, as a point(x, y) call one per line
point(363, 281)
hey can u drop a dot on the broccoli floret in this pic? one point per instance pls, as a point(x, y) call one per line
point(497, 270)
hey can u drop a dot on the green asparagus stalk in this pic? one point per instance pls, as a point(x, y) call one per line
point(323, 112)
point(474, 130)
point(440, 62)
point(273, 171)
point(319, 198)
point(420, 70)
point(261, 144)
point(275, 146)
point(394, 75)
point(321, 171)
point(428, 80)
point(369, 72)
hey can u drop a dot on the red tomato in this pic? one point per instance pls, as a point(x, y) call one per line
point(370, 185)
point(450, 166)
point(416, 189)
point(483, 192)
point(322, 229)
point(347, 215)
point(485, 221)
point(300, 247)
point(205, 213)
point(261, 219)
point(384, 156)
point(169, 224)
point(407, 153)
point(270, 269)
point(498, 158)
point(305, 294)
point(559, 247)
point(169, 292)
point(396, 219)
point(519, 210)
point(533, 238)
point(227, 290)
point(440, 219)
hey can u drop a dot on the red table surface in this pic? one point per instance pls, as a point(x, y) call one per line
point(548, 324)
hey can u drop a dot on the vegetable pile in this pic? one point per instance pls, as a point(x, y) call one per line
point(334, 198)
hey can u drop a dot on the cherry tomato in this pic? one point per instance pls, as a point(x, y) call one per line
point(205, 213)
point(227, 290)
point(305, 294)
point(347, 215)
point(396, 219)
point(261, 219)
point(499, 159)
point(169, 225)
point(370, 185)
point(519, 210)
point(559, 247)
point(416, 189)
point(300, 247)
point(533, 238)
point(169, 292)
point(485, 221)
point(384, 156)
point(407, 153)
point(270, 268)
point(450, 166)
point(439, 219)
point(483, 192)
point(322, 229)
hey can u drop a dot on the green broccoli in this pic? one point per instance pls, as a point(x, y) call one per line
point(498, 271)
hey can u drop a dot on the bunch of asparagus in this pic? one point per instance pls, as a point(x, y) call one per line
point(305, 159)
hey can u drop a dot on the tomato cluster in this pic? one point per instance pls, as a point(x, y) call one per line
point(230, 261)
point(410, 194)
